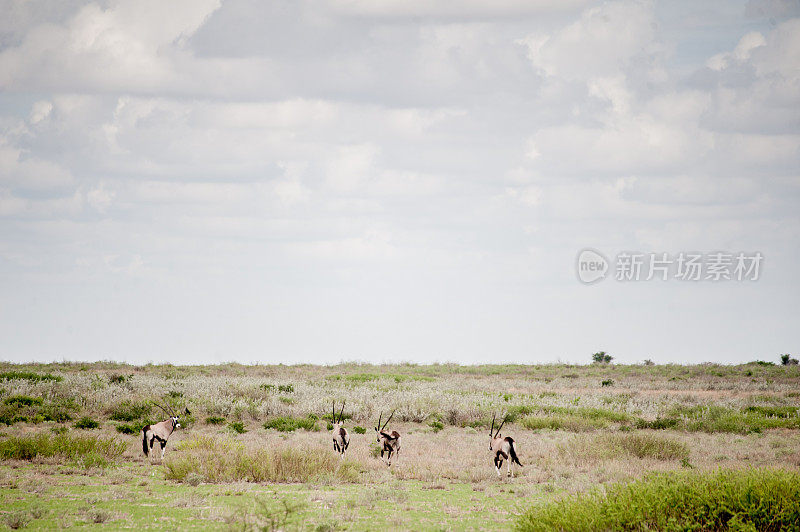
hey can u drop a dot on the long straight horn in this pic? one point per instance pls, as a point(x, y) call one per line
point(491, 430)
point(501, 426)
point(334, 413)
point(387, 421)
point(379, 420)
point(341, 412)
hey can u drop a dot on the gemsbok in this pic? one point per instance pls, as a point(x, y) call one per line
point(502, 448)
point(160, 432)
point(341, 439)
point(390, 442)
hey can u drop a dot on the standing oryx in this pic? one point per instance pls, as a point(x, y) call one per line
point(390, 442)
point(341, 439)
point(160, 432)
point(502, 448)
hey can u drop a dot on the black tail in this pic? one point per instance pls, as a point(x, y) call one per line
point(512, 451)
point(144, 440)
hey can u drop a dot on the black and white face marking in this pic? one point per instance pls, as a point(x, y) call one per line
point(175, 422)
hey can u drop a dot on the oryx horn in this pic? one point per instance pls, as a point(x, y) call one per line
point(388, 420)
point(341, 412)
point(501, 425)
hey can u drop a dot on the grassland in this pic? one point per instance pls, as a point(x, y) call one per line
point(71, 455)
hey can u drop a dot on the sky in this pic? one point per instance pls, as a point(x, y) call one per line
point(205, 181)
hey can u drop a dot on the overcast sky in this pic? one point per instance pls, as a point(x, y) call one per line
point(202, 181)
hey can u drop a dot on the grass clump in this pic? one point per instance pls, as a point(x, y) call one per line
point(29, 376)
point(132, 428)
point(359, 429)
point(754, 499)
point(289, 423)
point(215, 420)
point(86, 423)
point(226, 460)
point(625, 446)
point(62, 445)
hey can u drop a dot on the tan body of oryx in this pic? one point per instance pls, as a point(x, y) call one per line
point(159, 433)
point(389, 441)
point(502, 449)
point(341, 439)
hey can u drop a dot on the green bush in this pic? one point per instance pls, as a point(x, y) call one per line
point(64, 445)
point(86, 423)
point(23, 400)
point(436, 426)
point(659, 423)
point(359, 430)
point(129, 411)
point(215, 420)
point(289, 423)
point(132, 428)
point(237, 427)
point(754, 499)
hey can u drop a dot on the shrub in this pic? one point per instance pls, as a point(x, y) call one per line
point(226, 460)
point(754, 499)
point(608, 382)
point(601, 357)
point(129, 411)
point(117, 379)
point(237, 427)
point(215, 420)
point(64, 445)
point(132, 428)
point(359, 430)
point(289, 423)
point(29, 376)
point(23, 400)
point(436, 426)
point(86, 423)
point(659, 423)
point(787, 360)
point(569, 422)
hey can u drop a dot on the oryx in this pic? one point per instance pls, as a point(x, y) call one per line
point(341, 439)
point(160, 432)
point(502, 448)
point(390, 442)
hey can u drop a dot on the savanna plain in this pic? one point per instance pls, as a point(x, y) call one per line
point(604, 447)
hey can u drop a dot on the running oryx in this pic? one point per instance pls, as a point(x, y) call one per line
point(502, 448)
point(160, 432)
point(341, 439)
point(390, 442)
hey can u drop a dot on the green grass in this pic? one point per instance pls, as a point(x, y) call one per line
point(29, 376)
point(754, 499)
point(62, 445)
point(225, 460)
point(289, 423)
point(215, 420)
point(568, 422)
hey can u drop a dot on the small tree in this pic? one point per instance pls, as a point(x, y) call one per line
point(602, 358)
point(787, 360)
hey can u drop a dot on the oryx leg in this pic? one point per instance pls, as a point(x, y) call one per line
point(163, 448)
point(510, 474)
